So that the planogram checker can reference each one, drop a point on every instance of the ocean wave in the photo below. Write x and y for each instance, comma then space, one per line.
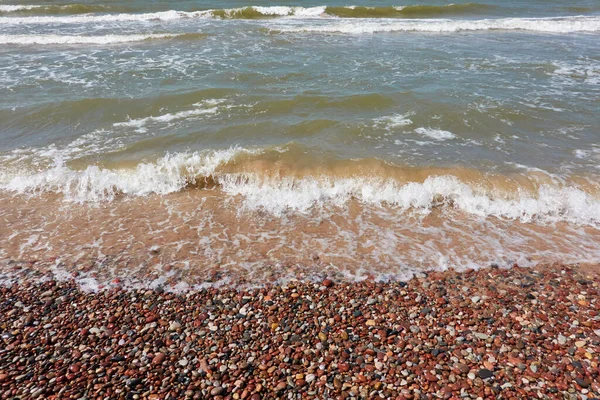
61, 8
394, 121
72, 39
167, 175
103, 18
416, 18
437, 134
18, 7
205, 108
548, 25
265, 184
414, 11
258, 12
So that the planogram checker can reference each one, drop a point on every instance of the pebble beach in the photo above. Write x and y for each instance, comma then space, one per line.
492, 333
370, 199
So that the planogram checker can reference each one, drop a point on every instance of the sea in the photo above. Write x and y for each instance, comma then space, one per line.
189, 143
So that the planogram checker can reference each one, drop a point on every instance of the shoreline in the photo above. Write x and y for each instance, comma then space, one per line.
489, 333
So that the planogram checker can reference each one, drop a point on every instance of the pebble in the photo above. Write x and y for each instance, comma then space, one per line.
485, 373
562, 339
217, 391
533, 368
159, 358
462, 368
303, 340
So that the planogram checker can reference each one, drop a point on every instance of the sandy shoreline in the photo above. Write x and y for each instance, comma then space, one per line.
492, 333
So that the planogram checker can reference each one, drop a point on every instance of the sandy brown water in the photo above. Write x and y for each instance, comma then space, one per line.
204, 236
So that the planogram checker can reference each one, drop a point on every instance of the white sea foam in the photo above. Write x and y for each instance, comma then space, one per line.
550, 204
290, 12
332, 24
587, 71
394, 121
18, 7
549, 25
71, 39
168, 174
593, 153
91, 18
141, 122
172, 173
284, 11
437, 134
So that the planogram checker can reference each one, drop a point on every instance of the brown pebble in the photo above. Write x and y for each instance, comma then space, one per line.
217, 391
327, 283
159, 358
337, 383
281, 386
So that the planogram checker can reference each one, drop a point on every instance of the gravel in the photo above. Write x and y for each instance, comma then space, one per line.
309, 340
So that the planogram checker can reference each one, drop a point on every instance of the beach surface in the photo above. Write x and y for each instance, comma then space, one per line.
491, 333
247, 200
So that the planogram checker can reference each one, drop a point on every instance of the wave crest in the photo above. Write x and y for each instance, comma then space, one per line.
548, 25
264, 181
254, 12
415, 11
103, 39
67, 9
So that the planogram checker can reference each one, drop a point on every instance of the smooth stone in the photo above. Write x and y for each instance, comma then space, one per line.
485, 373
217, 391
159, 358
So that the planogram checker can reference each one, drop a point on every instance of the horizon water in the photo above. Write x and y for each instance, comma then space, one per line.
193, 143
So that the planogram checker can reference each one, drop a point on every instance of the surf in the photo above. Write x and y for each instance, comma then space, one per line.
280, 179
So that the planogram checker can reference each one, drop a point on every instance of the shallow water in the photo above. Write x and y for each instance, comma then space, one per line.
379, 139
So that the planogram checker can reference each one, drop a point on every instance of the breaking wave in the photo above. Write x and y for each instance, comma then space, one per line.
351, 21
103, 39
416, 11
253, 12
548, 25
269, 185
66, 9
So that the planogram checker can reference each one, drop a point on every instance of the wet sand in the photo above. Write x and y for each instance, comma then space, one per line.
491, 333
